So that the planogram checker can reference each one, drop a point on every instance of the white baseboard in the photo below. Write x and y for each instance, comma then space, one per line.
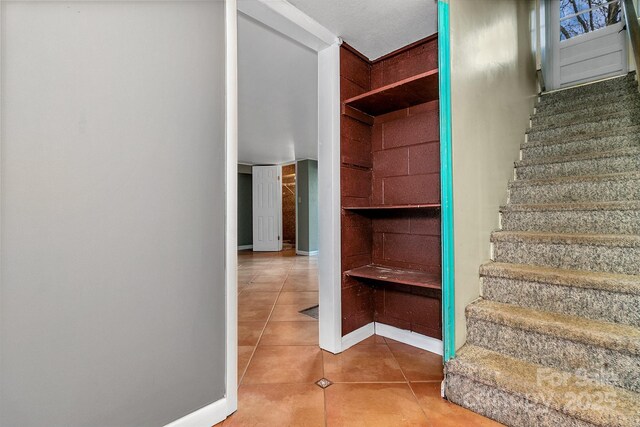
305, 253
245, 247
208, 416
360, 334
411, 338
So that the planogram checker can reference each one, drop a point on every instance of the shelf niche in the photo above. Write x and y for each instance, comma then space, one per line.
401, 276
409, 92
390, 189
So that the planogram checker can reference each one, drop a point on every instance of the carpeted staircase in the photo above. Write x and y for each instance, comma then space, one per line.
555, 338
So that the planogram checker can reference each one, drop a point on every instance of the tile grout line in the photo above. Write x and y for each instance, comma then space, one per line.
407, 382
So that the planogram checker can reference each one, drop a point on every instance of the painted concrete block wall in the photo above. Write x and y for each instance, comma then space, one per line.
307, 182
245, 209
112, 228
493, 86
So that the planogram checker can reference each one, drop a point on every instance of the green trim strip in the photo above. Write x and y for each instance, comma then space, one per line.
446, 182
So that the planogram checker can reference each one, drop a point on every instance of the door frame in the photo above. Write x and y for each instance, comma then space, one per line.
290, 21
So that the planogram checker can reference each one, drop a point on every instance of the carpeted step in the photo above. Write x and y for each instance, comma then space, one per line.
517, 393
625, 82
592, 125
584, 217
589, 252
606, 297
585, 347
592, 163
602, 141
585, 188
612, 110
547, 105
609, 103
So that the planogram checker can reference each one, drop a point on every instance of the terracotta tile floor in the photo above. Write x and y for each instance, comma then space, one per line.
379, 382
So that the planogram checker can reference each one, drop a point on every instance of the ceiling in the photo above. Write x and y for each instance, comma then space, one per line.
277, 96
374, 27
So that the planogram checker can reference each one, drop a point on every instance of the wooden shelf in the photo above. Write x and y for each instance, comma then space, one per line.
396, 96
391, 207
396, 275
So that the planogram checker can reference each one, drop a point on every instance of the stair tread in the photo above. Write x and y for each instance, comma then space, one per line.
611, 282
621, 152
544, 110
583, 98
620, 176
581, 121
548, 386
614, 336
621, 82
630, 130
572, 206
611, 240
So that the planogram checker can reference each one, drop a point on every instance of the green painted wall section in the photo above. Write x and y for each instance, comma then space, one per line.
245, 210
307, 186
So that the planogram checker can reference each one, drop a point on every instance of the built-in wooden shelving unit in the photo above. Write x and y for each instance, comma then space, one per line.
390, 190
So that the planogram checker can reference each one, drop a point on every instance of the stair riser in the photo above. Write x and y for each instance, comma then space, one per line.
582, 146
599, 166
622, 109
506, 408
583, 191
623, 84
608, 366
593, 304
584, 129
624, 260
592, 221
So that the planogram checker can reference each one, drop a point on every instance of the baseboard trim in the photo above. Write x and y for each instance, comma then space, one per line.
359, 335
411, 338
245, 247
208, 416
305, 253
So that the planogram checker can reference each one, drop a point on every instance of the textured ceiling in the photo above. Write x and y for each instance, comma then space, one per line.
278, 96
374, 27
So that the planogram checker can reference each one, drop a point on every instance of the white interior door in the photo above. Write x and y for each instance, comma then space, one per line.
588, 41
267, 208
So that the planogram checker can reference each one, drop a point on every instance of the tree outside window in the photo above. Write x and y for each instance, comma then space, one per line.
579, 17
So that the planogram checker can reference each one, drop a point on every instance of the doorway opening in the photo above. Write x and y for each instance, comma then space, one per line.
586, 40
277, 270
289, 201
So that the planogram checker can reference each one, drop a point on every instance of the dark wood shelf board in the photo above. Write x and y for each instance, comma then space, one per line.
396, 96
391, 207
396, 275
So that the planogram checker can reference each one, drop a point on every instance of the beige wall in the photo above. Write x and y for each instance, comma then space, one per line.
493, 91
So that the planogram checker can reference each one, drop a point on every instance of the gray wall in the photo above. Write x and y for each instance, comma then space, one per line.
112, 212
245, 209
307, 184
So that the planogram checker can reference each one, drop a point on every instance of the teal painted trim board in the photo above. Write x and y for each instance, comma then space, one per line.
446, 183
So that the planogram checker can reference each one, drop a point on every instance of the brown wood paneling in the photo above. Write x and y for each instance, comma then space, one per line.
289, 204
355, 190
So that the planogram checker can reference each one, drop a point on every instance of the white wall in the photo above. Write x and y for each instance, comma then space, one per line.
277, 95
493, 89
112, 227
